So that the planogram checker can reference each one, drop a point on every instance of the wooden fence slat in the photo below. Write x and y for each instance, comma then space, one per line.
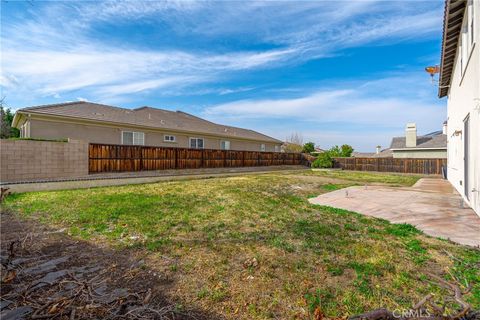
400, 165
118, 158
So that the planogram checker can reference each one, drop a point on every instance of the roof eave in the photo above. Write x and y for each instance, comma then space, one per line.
46, 115
413, 149
452, 22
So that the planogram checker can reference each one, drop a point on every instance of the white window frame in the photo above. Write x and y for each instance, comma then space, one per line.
467, 39
135, 138
167, 138
25, 130
196, 143
225, 144
277, 148
263, 147
471, 22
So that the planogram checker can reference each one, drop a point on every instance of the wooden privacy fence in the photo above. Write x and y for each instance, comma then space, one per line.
117, 158
407, 165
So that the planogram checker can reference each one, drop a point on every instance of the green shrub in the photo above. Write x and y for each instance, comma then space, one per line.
308, 147
324, 160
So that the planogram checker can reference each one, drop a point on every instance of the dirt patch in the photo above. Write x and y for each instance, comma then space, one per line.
47, 275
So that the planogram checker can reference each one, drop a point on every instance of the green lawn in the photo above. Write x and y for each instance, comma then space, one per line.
205, 234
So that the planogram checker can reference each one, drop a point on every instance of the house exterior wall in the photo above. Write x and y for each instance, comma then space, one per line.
27, 160
463, 101
52, 129
420, 154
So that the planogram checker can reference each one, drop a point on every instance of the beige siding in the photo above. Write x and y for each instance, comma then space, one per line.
421, 154
46, 129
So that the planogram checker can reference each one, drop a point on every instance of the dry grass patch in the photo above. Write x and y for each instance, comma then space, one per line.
253, 247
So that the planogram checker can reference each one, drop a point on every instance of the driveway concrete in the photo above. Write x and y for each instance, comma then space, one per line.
432, 205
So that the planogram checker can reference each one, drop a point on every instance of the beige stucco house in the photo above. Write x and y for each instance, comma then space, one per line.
413, 146
429, 146
460, 83
98, 123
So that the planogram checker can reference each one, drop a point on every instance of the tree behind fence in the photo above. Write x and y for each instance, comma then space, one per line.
406, 165
117, 158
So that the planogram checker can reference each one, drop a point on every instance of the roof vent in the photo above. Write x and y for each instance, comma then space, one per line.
98, 114
162, 121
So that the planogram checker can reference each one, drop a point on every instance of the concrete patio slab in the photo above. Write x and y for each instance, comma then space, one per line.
432, 205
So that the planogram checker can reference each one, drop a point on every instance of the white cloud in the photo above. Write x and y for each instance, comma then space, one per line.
363, 114
54, 51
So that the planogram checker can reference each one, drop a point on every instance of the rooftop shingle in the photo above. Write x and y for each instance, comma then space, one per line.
147, 117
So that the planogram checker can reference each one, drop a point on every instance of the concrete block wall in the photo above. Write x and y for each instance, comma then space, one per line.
29, 160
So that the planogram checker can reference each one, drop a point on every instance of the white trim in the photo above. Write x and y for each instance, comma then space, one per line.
409, 149
226, 141
133, 138
168, 140
196, 144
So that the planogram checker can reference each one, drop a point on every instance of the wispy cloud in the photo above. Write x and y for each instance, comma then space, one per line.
363, 113
56, 49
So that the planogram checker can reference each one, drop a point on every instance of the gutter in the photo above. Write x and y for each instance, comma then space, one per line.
413, 149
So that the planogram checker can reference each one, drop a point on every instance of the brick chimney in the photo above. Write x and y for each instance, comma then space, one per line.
411, 135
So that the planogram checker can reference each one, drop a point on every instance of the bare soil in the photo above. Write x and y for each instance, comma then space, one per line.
47, 275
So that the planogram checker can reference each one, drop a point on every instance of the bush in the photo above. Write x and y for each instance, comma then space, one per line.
324, 160
308, 147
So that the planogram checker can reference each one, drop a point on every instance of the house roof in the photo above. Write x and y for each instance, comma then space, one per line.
437, 141
385, 153
143, 116
452, 25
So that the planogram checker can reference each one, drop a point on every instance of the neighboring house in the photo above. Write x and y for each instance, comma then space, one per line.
460, 82
379, 153
429, 146
98, 123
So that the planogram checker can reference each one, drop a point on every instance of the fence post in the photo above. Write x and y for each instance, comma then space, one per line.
202, 161
176, 158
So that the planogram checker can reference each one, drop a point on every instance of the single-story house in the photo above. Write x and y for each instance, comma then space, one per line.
459, 81
432, 145
379, 153
429, 146
98, 123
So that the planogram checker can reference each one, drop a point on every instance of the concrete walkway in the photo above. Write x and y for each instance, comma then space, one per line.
432, 205
139, 177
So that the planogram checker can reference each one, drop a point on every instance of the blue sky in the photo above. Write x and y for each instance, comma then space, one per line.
334, 71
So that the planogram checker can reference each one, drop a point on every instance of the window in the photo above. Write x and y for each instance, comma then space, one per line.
471, 22
277, 148
168, 138
133, 138
225, 145
467, 37
196, 143
262, 147
25, 130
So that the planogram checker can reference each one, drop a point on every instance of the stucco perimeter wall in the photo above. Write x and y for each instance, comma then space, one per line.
421, 154
464, 101
28, 160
